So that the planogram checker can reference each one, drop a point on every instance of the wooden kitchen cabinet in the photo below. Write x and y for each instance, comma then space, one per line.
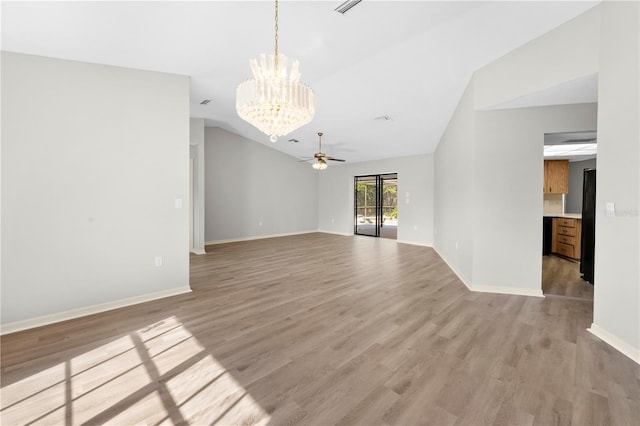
556, 177
566, 237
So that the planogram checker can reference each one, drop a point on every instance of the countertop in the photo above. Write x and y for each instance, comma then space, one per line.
566, 215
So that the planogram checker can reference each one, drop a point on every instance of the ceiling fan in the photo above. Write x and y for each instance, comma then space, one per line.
320, 158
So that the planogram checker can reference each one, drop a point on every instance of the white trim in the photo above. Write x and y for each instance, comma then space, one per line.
194, 251
455, 271
15, 326
516, 291
258, 237
415, 243
616, 342
344, 234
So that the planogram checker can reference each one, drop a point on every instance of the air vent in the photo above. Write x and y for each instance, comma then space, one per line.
344, 7
294, 140
205, 102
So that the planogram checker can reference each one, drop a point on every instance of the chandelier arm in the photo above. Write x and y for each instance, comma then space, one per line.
276, 39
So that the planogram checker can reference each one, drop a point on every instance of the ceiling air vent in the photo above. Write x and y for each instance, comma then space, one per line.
344, 7
205, 102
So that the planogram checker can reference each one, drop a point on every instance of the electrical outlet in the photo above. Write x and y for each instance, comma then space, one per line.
158, 261
260, 223
611, 209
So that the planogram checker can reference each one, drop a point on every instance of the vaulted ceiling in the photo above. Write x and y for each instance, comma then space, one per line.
409, 61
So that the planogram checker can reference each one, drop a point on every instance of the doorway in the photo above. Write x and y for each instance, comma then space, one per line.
376, 205
568, 211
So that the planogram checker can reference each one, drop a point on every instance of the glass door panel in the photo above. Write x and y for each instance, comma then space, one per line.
376, 205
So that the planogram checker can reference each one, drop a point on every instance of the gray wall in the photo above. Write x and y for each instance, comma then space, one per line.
492, 242
497, 263
573, 200
453, 204
616, 314
93, 158
415, 196
508, 230
196, 153
254, 191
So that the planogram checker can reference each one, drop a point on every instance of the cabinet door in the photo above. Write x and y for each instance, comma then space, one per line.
556, 176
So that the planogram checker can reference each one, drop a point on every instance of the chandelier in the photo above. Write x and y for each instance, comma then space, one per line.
273, 102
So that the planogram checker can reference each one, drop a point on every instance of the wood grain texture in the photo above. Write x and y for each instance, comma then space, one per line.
322, 329
561, 277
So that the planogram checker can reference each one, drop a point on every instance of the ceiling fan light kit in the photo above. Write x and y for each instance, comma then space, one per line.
321, 158
320, 164
272, 101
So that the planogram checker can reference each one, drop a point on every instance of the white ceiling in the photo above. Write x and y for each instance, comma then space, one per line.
408, 60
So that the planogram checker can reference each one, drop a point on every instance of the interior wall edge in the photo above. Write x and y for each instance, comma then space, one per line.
27, 324
462, 278
615, 342
259, 237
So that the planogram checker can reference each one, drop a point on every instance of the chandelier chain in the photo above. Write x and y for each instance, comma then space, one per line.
276, 38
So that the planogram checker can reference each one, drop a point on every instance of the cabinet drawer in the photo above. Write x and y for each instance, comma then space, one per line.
570, 223
563, 230
565, 239
565, 250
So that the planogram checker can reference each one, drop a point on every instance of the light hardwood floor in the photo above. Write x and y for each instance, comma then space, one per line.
321, 329
561, 277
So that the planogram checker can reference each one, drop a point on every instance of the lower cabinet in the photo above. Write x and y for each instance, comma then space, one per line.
566, 237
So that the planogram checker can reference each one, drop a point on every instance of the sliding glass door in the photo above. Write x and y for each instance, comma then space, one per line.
376, 205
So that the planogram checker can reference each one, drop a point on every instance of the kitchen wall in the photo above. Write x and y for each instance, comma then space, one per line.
415, 196
93, 159
573, 200
254, 191
553, 204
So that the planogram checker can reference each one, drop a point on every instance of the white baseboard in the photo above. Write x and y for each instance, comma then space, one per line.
258, 237
415, 243
13, 327
507, 290
455, 271
344, 234
515, 291
616, 342
194, 251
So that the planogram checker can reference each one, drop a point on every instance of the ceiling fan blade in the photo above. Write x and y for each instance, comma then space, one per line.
335, 159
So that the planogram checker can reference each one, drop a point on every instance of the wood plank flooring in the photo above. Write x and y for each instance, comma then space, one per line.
321, 329
561, 277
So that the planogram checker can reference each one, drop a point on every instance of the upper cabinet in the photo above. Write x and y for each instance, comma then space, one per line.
556, 177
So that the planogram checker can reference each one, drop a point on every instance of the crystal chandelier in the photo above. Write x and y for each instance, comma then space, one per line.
273, 102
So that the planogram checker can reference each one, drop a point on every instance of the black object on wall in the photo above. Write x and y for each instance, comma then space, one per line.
587, 250
547, 226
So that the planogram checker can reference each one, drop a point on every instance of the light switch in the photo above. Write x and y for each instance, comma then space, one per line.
178, 203
611, 209
158, 261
